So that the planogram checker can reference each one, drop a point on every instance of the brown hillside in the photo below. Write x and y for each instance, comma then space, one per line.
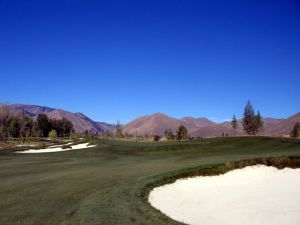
152, 124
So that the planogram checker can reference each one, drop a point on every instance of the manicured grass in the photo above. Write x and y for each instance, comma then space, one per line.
105, 184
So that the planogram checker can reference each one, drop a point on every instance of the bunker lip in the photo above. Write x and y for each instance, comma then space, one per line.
212, 170
57, 148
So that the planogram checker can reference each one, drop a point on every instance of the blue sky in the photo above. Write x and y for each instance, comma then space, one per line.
121, 59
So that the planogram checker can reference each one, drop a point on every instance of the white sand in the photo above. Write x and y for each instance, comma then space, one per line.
26, 145
256, 195
58, 149
55, 146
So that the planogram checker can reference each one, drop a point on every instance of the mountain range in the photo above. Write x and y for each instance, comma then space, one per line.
156, 124
202, 127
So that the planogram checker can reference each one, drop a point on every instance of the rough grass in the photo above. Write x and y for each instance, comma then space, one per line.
106, 184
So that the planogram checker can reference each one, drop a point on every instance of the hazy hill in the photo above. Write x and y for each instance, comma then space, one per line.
197, 122
106, 126
283, 126
212, 131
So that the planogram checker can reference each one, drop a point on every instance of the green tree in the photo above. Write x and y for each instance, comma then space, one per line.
4, 120
66, 127
26, 125
14, 127
296, 130
55, 125
234, 124
119, 131
43, 124
53, 135
35, 131
182, 133
249, 119
63, 127
259, 124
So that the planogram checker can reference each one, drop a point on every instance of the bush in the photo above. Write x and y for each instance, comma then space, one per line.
156, 138
53, 135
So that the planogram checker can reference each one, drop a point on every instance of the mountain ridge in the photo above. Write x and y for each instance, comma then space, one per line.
157, 123
202, 127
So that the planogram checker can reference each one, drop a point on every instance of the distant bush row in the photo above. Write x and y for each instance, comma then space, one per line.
19, 125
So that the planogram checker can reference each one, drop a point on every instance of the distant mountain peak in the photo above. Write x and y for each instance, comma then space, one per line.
157, 123
158, 114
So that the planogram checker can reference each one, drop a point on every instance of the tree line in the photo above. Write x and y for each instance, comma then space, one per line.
63, 127
19, 125
181, 134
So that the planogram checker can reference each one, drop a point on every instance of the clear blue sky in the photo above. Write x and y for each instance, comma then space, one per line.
121, 59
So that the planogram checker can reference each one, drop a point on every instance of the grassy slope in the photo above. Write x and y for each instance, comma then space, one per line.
103, 185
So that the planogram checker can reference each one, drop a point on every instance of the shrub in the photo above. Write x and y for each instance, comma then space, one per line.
53, 135
156, 138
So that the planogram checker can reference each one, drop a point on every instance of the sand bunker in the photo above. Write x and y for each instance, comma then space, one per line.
58, 149
26, 145
253, 195
55, 146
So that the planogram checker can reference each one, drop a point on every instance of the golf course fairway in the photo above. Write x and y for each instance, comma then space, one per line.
108, 184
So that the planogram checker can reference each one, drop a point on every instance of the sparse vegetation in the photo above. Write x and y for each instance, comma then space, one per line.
106, 134
53, 135
169, 135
